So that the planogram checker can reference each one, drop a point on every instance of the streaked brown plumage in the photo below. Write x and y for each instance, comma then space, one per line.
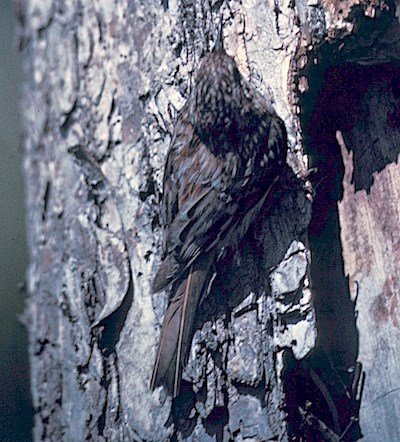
227, 150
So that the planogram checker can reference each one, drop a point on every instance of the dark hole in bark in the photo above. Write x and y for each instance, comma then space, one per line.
216, 422
46, 200
109, 329
362, 102
181, 410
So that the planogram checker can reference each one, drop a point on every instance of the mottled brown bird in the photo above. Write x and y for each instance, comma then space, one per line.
227, 149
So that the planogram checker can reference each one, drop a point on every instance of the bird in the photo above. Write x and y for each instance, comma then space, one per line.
227, 149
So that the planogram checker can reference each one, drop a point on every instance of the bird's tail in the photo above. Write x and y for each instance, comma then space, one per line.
176, 331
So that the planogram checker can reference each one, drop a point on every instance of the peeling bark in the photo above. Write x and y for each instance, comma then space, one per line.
103, 83
349, 97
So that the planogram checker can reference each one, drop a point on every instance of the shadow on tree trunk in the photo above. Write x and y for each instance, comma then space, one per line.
360, 100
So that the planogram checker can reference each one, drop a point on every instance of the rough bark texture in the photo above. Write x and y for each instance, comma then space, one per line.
104, 80
350, 118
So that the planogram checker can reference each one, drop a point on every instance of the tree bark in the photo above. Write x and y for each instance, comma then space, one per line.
351, 133
103, 83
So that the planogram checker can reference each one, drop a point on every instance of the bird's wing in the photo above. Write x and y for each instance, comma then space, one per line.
197, 207
206, 196
224, 193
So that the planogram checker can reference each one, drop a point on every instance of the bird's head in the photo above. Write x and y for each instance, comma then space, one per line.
217, 96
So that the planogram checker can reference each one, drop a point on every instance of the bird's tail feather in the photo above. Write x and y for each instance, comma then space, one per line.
176, 331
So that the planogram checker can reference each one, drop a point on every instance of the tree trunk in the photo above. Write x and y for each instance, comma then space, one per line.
103, 83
